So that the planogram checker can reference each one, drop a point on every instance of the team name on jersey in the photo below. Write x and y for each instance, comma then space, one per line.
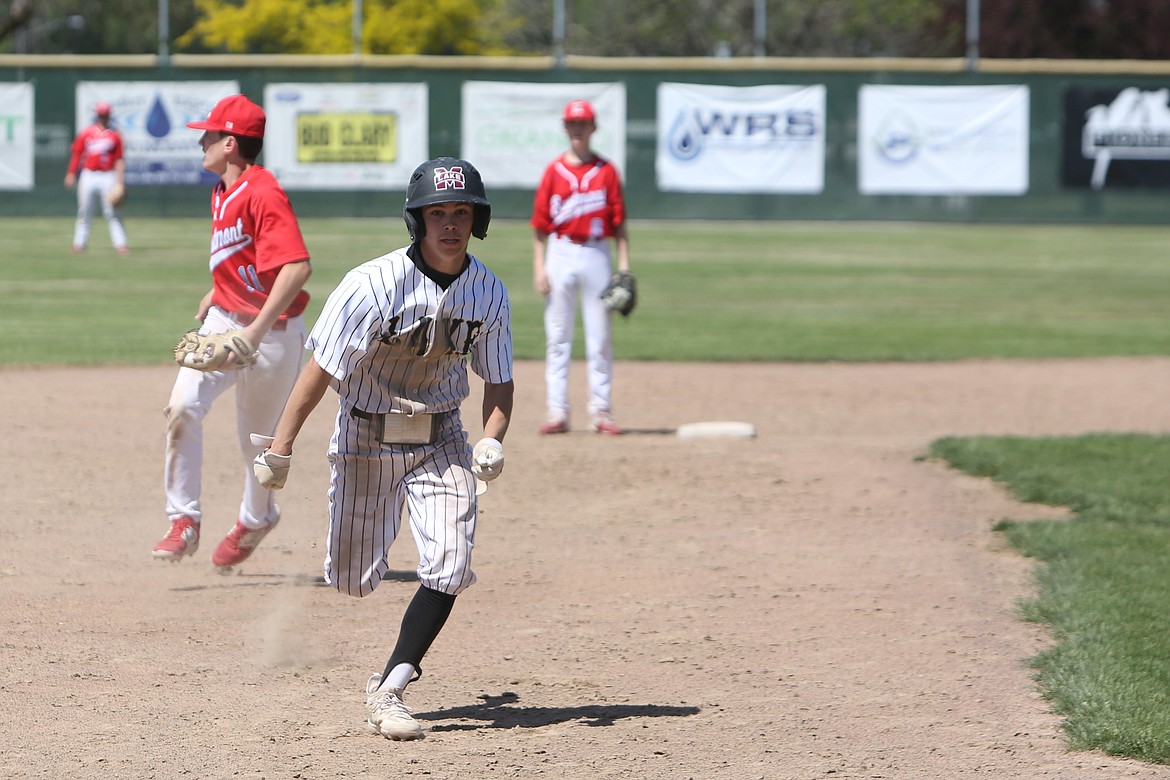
579, 203
225, 242
232, 234
102, 145
432, 337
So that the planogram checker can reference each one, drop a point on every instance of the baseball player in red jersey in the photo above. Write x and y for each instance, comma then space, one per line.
95, 166
577, 210
395, 340
259, 266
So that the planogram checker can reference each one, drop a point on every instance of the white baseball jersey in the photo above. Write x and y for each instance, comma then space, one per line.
394, 334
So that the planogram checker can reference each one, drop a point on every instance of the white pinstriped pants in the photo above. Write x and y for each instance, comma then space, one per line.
371, 485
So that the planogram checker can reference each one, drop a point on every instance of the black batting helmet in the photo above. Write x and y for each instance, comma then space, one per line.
445, 180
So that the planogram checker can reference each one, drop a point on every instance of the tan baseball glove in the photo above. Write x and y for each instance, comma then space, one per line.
210, 352
116, 195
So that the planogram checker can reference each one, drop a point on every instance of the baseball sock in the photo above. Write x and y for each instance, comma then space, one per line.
422, 622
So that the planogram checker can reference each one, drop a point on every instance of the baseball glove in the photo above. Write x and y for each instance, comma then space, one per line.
621, 294
209, 352
116, 195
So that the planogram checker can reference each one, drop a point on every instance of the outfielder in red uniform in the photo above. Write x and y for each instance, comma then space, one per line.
95, 166
259, 266
577, 211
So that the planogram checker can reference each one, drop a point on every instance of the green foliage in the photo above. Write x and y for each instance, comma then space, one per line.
441, 27
1103, 587
273, 26
701, 27
436, 27
107, 26
1072, 29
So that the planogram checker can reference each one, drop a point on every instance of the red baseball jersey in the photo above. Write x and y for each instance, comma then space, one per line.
253, 233
582, 201
96, 149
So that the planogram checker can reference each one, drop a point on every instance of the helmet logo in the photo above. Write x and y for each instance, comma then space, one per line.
450, 178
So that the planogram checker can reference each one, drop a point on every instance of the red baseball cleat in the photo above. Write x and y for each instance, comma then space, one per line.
182, 540
603, 424
240, 543
555, 426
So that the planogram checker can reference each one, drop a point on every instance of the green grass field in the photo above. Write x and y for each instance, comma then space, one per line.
742, 291
710, 291
1104, 589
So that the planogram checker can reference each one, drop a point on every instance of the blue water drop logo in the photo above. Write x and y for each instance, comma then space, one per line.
158, 123
685, 139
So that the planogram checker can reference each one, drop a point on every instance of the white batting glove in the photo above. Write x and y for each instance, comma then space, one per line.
271, 470
487, 459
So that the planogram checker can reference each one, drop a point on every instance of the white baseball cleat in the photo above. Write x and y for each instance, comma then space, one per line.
388, 716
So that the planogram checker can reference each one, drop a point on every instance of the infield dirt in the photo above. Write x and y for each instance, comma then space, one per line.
817, 602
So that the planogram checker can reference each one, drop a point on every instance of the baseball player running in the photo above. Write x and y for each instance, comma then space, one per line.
96, 165
259, 266
578, 208
395, 340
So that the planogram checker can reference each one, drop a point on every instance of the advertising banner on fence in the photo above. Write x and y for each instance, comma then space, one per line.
511, 132
152, 117
741, 139
943, 140
345, 136
17, 136
1116, 138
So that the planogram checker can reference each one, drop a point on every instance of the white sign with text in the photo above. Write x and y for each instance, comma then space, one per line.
970, 140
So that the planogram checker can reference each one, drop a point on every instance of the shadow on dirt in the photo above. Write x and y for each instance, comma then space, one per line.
497, 712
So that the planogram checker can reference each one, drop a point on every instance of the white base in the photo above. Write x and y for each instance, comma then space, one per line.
717, 429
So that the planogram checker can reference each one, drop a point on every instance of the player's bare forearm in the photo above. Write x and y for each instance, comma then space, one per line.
306, 394
204, 306
623, 247
497, 408
539, 276
290, 280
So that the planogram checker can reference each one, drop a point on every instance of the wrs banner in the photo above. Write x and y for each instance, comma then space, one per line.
943, 140
762, 139
17, 142
1116, 138
511, 131
152, 117
345, 136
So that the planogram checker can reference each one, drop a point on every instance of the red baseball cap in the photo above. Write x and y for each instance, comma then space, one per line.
102, 109
235, 115
579, 111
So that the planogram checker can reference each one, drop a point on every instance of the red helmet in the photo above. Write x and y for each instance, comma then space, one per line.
102, 109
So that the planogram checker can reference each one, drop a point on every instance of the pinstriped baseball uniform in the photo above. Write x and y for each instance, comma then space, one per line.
398, 336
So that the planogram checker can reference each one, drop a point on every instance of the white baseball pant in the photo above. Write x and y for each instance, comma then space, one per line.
261, 391
372, 484
577, 270
91, 185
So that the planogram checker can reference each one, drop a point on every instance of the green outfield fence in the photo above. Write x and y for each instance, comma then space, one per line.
1047, 201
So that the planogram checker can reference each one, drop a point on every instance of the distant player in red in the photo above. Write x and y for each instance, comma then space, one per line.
95, 166
259, 266
578, 209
